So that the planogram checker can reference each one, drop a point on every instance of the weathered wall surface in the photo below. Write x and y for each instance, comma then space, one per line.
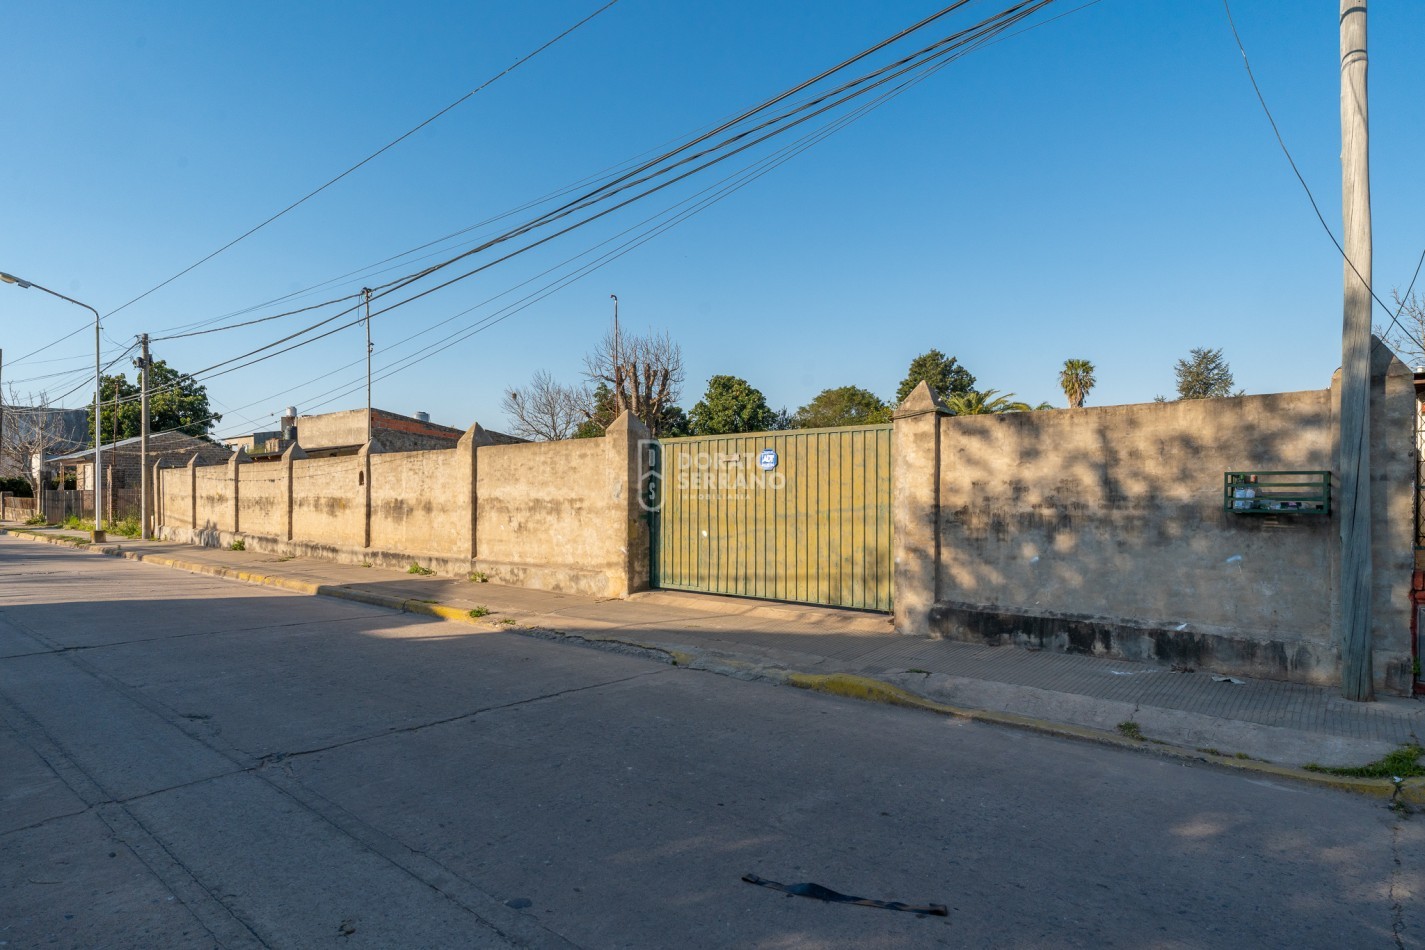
332, 428
551, 505
411, 502
213, 490
175, 495
1122, 506
327, 501
262, 489
1102, 531
558, 516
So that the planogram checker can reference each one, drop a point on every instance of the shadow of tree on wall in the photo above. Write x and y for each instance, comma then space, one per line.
1103, 531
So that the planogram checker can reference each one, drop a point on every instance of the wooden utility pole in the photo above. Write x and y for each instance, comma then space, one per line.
1357, 677
145, 475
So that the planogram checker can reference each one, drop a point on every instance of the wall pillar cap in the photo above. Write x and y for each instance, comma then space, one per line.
628, 424
922, 400
373, 447
476, 435
294, 451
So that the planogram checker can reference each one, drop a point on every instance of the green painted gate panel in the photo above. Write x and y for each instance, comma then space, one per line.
816, 529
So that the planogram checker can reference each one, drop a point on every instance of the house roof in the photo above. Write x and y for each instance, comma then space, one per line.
157, 440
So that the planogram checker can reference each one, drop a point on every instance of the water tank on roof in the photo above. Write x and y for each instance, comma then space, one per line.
423, 417
290, 412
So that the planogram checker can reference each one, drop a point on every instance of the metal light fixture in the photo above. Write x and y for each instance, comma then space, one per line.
98, 535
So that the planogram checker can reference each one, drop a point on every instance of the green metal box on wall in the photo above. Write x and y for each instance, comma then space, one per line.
1277, 493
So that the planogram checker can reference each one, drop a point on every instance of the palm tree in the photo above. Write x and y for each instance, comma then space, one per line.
980, 403
1076, 380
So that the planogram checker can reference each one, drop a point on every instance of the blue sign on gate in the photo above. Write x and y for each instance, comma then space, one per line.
767, 460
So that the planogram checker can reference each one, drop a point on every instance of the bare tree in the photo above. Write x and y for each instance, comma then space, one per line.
31, 432
1409, 342
545, 410
643, 373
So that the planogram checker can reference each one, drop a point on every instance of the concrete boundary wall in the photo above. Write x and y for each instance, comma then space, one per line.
1102, 531
562, 516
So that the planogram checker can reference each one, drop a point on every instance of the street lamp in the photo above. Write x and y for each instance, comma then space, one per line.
98, 535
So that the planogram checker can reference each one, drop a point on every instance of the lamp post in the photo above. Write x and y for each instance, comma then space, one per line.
98, 535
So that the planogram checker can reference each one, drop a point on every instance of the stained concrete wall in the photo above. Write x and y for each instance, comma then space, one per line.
212, 487
1102, 531
328, 501
557, 516
262, 486
411, 494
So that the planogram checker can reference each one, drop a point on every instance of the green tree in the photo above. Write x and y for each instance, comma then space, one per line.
1204, 375
944, 374
730, 404
1076, 379
843, 406
977, 403
175, 401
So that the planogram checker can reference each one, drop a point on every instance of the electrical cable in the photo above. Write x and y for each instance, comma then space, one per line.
979, 34
519, 62
1299, 177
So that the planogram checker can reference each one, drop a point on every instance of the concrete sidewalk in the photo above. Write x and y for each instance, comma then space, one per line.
1259, 725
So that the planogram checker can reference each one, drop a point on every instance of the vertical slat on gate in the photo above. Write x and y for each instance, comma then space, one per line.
822, 537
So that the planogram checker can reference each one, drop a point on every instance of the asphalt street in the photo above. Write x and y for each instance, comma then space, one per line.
193, 762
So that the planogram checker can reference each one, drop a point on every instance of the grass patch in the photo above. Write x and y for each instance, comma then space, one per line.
480, 611
479, 577
507, 621
1404, 762
417, 569
126, 527
238, 545
1209, 750
37, 519
1129, 729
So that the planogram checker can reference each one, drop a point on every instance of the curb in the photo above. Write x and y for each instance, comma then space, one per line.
1409, 792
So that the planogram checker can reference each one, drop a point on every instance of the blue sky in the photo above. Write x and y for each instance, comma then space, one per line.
1104, 187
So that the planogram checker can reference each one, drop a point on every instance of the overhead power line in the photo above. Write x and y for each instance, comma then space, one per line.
1394, 316
923, 60
389, 145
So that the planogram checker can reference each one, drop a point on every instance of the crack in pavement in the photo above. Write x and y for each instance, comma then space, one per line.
272, 758
1397, 906
152, 852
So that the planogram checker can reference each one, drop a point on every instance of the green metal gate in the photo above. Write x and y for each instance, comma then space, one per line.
801, 515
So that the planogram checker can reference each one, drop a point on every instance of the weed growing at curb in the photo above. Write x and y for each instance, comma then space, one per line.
1404, 762
425, 600
37, 519
480, 611
507, 621
479, 577
1209, 750
1130, 730
417, 569
366, 564
238, 545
